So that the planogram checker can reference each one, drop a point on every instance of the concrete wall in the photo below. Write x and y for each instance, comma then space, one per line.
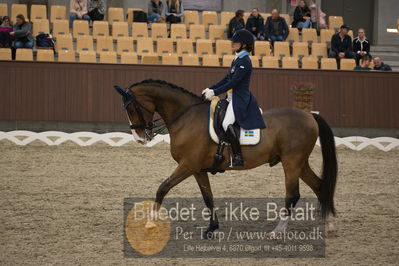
386, 13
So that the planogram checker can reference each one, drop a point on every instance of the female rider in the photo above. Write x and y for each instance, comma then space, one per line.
242, 107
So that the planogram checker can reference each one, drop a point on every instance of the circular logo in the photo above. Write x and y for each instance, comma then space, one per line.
147, 230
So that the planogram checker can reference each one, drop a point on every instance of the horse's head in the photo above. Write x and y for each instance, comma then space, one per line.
140, 112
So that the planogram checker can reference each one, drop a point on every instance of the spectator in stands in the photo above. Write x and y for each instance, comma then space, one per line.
96, 9
361, 46
255, 23
341, 44
78, 10
155, 9
317, 17
236, 23
5, 29
276, 28
365, 63
379, 65
22, 33
174, 11
301, 16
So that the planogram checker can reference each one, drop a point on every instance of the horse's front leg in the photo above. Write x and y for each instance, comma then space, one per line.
178, 175
205, 187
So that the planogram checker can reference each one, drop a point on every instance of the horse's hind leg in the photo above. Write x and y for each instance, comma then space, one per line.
314, 182
292, 168
205, 187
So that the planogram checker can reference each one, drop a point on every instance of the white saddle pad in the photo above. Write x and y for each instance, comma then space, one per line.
250, 137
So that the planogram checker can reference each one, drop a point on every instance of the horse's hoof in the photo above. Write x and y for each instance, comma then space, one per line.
149, 225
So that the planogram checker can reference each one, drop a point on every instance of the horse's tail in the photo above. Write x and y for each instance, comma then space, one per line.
330, 166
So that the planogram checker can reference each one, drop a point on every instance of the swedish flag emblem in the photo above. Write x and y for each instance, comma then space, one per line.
249, 133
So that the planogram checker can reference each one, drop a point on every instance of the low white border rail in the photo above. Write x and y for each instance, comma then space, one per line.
117, 139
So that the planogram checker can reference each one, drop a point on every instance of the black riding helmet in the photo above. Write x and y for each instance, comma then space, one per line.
244, 37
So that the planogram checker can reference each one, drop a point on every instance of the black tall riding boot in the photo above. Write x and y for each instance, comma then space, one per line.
235, 146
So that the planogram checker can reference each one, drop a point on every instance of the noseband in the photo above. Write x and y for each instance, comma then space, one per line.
131, 99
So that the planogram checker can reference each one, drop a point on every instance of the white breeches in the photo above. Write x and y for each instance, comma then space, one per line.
229, 119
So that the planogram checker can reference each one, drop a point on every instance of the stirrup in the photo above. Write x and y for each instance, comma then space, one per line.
236, 160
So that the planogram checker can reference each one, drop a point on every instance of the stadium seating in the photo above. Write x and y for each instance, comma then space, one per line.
17, 9
66, 56
190, 60
210, 60
209, 18
115, 14
254, 60
262, 48
328, 64
64, 42
197, 32
293, 35
225, 17
164, 46
84, 43
287, 18
108, 57
145, 46
105, 44
310, 62
87, 57
57, 13
347, 64
270, 62
80, 28
129, 58
204, 47
335, 22
60, 27
120, 29
246, 16
223, 47
178, 31
326, 35
216, 32
3, 9
290, 62
170, 59
5, 54
45, 55
319, 49
38, 12
191, 17
159, 30
309, 35
40, 26
130, 14
300, 49
124, 45
184, 46
139, 30
281, 49
150, 59
23, 54
227, 60
100, 29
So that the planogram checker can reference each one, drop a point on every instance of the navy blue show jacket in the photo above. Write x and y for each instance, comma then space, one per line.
246, 109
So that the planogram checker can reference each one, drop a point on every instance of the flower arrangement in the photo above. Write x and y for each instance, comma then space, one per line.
303, 95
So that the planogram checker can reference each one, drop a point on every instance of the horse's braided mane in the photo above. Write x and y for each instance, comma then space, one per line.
170, 85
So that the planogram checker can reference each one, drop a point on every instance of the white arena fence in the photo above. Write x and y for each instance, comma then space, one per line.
117, 139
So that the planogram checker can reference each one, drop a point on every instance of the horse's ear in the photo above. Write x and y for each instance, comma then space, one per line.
120, 91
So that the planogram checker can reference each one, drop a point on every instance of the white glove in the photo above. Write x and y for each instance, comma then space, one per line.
209, 94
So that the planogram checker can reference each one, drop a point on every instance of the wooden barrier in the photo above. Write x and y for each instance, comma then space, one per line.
81, 92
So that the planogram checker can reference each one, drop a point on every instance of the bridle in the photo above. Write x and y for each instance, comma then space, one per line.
129, 98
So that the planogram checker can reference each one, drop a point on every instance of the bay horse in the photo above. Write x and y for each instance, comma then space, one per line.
290, 136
